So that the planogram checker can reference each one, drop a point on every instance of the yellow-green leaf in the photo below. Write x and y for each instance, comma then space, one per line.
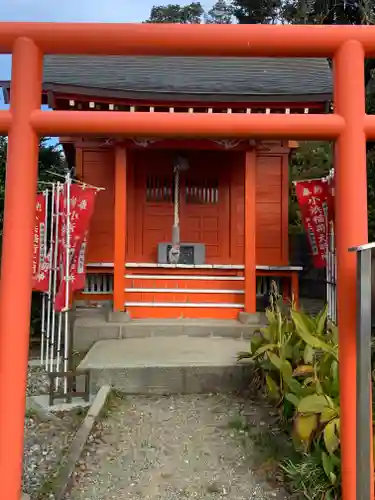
333, 478
286, 369
292, 398
328, 414
266, 332
275, 360
293, 384
334, 333
308, 354
331, 439
270, 315
255, 343
272, 387
305, 425
335, 373
321, 320
243, 355
304, 331
327, 464
314, 403
288, 352
263, 349
303, 370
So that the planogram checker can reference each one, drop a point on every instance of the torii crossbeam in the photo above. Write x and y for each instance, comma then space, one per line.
349, 126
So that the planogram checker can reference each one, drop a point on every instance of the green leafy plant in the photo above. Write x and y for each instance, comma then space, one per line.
297, 355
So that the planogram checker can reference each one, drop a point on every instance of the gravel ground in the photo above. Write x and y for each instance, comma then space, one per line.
45, 441
171, 448
37, 381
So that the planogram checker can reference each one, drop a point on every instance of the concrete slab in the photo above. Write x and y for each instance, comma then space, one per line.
118, 317
163, 352
168, 365
94, 327
251, 319
43, 401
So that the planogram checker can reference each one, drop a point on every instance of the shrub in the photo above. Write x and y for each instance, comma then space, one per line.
297, 355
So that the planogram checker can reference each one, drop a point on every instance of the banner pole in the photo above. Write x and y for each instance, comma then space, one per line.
59, 338
54, 269
46, 326
67, 278
49, 326
43, 323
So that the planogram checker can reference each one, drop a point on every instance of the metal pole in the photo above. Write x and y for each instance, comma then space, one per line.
49, 282
51, 326
44, 295
54, 271
67, 278
364, 458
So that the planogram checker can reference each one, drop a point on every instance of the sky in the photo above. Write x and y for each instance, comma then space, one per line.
107, 11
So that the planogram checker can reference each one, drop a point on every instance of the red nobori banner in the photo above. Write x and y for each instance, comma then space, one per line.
41, 267
81, 208
313, 199
331, 196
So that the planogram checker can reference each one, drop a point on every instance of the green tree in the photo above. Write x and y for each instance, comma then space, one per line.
347, 12
51, 160
311, 160
329, 11
173, 13
220, 13
257, 11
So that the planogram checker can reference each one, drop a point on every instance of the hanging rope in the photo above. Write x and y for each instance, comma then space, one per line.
174, 253
176, 220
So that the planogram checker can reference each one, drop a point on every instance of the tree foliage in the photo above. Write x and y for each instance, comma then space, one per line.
174, 13
220, 13
51, 160
311, 160
257, 11
350, 12
329, 11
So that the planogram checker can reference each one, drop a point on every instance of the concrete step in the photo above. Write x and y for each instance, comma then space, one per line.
91, 328
169, 365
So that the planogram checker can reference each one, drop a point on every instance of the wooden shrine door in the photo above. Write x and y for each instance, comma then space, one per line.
203, 203
204, 198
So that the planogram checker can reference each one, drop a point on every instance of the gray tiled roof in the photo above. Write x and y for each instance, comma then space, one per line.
192, 76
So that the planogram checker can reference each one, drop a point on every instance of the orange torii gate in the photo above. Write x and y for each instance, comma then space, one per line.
349, 126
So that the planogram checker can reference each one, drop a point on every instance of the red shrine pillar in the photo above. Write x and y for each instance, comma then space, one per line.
120, 229
250, 232
16, 268
351, 230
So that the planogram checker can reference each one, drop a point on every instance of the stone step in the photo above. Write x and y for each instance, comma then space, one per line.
169, 365
91, 328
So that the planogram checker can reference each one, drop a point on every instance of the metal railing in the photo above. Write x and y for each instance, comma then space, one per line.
331, 276
98, 284
364, 429
102, 284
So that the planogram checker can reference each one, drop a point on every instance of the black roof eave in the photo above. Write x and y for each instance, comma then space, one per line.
173, 96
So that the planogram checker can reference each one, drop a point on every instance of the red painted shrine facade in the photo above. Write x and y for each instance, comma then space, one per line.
232, 199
